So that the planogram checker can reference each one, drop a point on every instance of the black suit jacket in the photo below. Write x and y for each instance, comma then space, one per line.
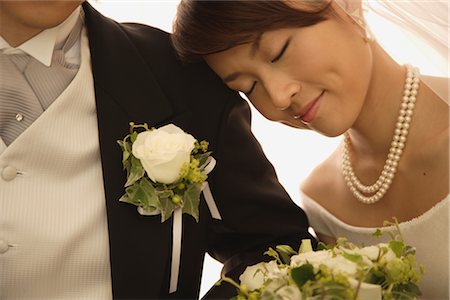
138, 78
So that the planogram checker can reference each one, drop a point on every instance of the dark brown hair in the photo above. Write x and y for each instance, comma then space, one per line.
206, 27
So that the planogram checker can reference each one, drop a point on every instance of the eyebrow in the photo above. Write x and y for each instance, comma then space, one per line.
253, 50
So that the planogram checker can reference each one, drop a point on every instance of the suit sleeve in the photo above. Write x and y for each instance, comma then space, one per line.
257, 213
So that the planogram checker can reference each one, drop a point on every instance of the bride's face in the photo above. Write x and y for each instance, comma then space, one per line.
313, 77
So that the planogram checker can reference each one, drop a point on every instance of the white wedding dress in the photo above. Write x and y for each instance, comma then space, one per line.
428, 233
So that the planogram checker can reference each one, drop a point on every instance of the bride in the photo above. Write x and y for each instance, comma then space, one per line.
315, 65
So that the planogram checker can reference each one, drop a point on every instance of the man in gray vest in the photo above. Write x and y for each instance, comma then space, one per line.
71, 80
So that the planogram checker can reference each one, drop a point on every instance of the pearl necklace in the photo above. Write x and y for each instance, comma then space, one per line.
380, 187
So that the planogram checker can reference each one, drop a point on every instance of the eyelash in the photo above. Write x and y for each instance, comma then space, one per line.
277, 58
251, 89
283, 50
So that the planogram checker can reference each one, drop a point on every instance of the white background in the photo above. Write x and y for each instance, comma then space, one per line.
294, 153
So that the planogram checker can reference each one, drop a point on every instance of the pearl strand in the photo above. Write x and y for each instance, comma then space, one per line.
380, 187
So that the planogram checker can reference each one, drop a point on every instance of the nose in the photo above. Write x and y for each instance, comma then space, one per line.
282, 92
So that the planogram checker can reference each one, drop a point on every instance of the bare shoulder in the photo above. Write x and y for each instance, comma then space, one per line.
439, 85
322, 180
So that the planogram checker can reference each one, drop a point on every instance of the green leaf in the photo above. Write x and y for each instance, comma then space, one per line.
167, 208
285, 252
125, 156
406, 291
274, 254
302, 274
202, 158
356, 258
191, 199
397, 247
142, 194
377, 233
166, 193
126, 152
323, 246
136, 171
125, 199
375, 277
133, 136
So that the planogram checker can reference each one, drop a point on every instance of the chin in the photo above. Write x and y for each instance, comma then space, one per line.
47, 14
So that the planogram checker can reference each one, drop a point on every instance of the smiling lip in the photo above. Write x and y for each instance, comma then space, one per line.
308, 113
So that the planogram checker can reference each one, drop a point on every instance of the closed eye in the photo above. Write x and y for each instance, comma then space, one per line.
280, 54
251, 89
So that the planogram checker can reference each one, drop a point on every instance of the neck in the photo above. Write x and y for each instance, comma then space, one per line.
372, 132
17, 40
16, 35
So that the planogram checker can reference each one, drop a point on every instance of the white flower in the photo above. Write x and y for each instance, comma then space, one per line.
367, 291
313, 257
289, 293
337, 264
253, 276
276, 276
163, 152
341, 265
372, 252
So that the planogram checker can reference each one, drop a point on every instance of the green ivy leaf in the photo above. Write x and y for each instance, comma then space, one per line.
136, 171
397, 247
302, 274
167, 208
126, 152
133, 136
142, 194
191, 199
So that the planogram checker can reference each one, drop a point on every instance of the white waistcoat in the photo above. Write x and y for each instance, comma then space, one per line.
53, 230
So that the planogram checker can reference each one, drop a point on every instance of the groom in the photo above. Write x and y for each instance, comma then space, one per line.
71, 81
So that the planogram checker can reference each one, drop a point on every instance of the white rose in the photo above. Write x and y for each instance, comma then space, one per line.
276, 277
367, 291
253, 276
372, 252
340, 264
315, 258
337, 264
163, 151
289, 293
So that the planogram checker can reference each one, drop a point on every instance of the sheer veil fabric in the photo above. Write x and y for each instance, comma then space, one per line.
423, 27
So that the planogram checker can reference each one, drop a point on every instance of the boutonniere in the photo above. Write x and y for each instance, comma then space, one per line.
166, 169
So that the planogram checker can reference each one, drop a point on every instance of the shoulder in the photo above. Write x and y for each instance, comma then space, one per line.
155, 47
323, 182
439, 85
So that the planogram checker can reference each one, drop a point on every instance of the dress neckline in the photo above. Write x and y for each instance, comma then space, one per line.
414, 221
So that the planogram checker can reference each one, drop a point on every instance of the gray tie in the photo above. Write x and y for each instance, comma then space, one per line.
28, 87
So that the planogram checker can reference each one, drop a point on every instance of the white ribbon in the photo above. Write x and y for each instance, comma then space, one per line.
177, 227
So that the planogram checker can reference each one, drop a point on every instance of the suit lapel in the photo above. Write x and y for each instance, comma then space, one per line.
125, 91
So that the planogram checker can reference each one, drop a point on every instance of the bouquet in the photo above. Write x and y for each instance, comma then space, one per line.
342, 271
